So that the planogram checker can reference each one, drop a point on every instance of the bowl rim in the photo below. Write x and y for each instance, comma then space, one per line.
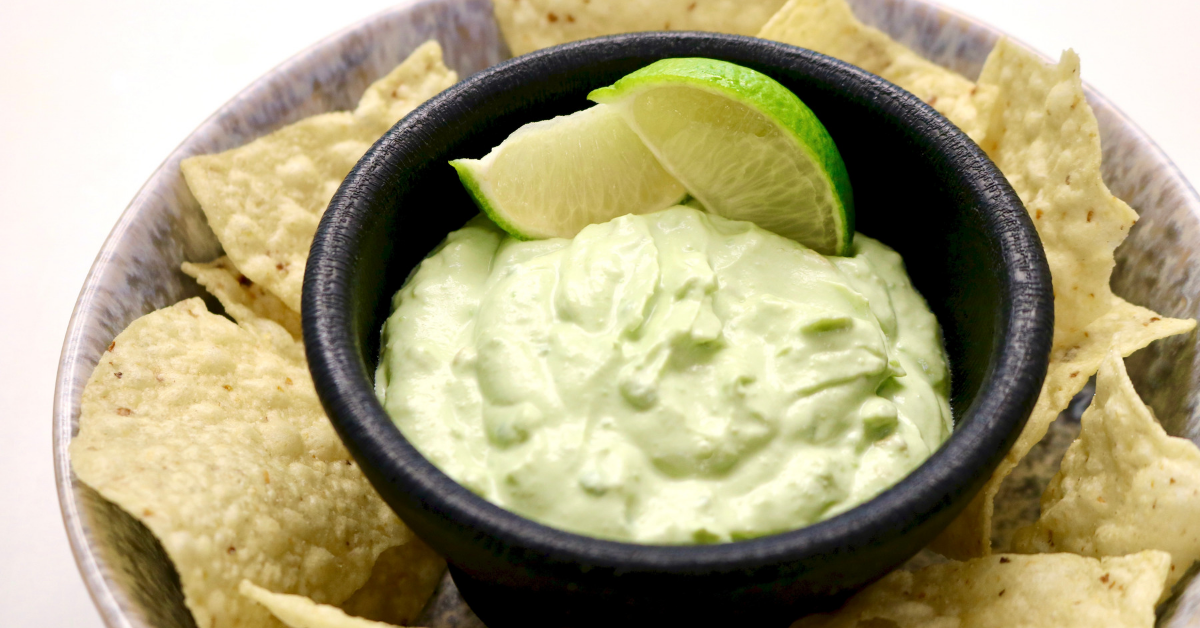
1002, 405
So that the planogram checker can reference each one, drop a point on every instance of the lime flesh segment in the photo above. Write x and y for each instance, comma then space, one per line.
552, 178
743, 145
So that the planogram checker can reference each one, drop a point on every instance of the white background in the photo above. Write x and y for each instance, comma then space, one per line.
94, 94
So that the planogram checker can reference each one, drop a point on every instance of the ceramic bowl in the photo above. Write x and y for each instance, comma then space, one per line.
137, 269
919, 183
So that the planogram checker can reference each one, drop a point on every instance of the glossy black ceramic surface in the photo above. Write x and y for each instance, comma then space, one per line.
920, 186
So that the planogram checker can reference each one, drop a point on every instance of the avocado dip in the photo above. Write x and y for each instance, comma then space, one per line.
667, 378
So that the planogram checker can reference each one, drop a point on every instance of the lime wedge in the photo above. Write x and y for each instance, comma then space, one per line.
743, 145
552, 178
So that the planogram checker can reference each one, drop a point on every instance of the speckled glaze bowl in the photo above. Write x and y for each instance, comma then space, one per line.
974, 255
137, 269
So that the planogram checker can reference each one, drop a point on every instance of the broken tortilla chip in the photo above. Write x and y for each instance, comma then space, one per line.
199, 429
242, 299
297, 611
253, 308
529, 25
1030, 591
830, 27
265, 199
1124, 485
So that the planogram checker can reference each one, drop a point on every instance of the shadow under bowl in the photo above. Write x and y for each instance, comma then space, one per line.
920, 185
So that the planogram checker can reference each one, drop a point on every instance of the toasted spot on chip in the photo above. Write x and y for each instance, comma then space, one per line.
1124, 485
264, 199
1043, 590
298, 611
242, 299
830, 27
529, 25
208, 469
1125, 329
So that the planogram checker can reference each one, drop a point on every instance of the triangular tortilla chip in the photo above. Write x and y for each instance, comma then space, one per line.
1045, 139
1125, 329
204, 432
265, 199
1124, 486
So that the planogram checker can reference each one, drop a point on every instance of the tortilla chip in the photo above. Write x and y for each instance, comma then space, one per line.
198, 428
242, 299
830, 27
297, 611
253, 308
418, 78
1044, 138
1003, 591
529, 25
1124, 486
264, 199
404, 576
401, 583
1125, 329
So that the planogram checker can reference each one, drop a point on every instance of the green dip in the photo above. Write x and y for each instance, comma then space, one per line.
669, 378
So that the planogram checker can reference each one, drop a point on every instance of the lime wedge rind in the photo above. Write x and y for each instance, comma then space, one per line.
760, 94
469, 171
553, 177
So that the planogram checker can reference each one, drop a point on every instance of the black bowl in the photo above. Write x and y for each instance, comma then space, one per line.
921, 186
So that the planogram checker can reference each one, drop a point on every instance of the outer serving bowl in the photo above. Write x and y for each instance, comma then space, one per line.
137, 269
919, 182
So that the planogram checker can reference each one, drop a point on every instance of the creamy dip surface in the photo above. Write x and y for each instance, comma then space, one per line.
668, 378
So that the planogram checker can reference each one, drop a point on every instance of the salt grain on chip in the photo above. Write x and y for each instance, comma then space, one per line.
1003, 591
1124, 485
204, 432
264, 199
529, 25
